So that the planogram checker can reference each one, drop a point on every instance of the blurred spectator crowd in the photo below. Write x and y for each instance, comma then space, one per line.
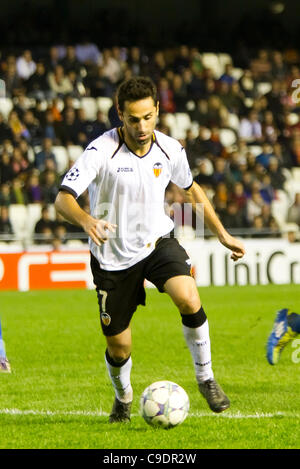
240, 129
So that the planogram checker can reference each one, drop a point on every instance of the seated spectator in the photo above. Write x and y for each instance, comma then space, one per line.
239, 196
196, 63
157, 66
214, 144
274, 104
33, 189
25, 65
236, 165
37, 85
62, 228
200, 113
13, 83
282, 155
266, 214
59, 83
250, 128
270, 130
261, 66
18, 192
234, 102
49, 128
258, 225
226, 96
279, 69
276, 174
227, 76
70, 61
166, 96
49, 187
56, 244
88, 53
56, 111
293, 236
6, 171
248, 84
19, 162
217, 112
221, 195
5, 195
274, 228
254, 205
45, 154
85, 128
221, 172
78, 88
60, 232
68, 129
233, 217
195, 87
220, 207
44, 222
204, 176
136, 60
33, 127
179, 93
98, 127
5, 223
293, 215
264, 157
295, 149
52, 59
182, 59
45, 236
111, 67
251, 161
97, 84
17, 127
5, 130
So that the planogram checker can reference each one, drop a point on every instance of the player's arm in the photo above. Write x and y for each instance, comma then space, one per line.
69, 208
196, 195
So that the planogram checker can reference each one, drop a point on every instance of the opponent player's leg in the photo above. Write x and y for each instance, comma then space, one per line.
286, 327
183, 291
118, 363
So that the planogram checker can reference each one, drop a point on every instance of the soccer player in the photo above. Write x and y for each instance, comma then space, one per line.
126, 171
286, 327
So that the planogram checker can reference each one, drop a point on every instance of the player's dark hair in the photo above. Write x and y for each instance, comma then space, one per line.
134, 89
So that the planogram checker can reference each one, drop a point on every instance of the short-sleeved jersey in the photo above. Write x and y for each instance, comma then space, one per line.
128, 190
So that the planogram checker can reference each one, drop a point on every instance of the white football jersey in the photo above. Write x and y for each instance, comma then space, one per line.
129, 191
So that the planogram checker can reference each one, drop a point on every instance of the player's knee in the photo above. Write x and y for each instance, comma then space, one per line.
189, 303
119, 353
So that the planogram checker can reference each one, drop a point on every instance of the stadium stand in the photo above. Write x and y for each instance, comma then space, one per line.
211, 98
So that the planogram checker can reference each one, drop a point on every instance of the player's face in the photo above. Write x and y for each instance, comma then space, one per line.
139, 119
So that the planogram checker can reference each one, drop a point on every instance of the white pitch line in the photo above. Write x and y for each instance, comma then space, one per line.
100, 413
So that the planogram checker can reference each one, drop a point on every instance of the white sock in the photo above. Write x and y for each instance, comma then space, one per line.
120, 378
198, 341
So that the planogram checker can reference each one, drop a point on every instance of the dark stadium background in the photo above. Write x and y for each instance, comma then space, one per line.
218, 25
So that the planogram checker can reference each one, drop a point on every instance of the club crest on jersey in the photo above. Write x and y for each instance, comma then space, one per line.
105, 318
157, 168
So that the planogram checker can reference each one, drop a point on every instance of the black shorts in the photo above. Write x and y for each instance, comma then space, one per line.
120, 292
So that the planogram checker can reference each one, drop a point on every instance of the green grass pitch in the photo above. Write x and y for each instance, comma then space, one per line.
59, 395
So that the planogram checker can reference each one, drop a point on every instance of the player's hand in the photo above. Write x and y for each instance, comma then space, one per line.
235, 245
98, 230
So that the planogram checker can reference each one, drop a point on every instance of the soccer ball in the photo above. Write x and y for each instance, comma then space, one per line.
164, 404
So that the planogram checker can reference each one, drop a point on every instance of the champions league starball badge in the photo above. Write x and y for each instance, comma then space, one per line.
73, 174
